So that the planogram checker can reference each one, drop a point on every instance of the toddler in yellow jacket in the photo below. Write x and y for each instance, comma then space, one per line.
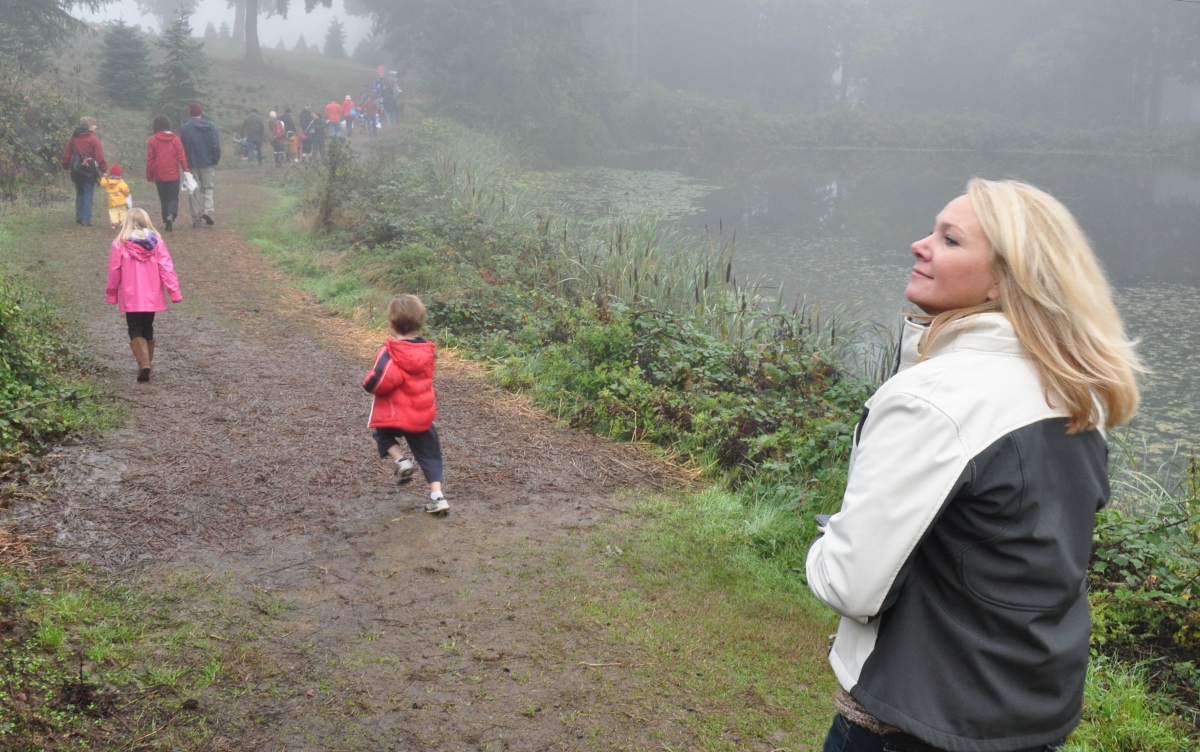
118, 195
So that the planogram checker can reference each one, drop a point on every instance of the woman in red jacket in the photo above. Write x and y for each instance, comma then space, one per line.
85, 171
164, 156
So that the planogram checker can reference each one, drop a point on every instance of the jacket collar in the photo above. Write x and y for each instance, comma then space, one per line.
984, 332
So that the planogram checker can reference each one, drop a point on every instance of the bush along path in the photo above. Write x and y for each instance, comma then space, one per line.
273, 588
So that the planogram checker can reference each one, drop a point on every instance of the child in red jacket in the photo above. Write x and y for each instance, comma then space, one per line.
402, 382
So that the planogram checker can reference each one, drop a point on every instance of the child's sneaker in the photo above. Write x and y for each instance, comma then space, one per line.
404, 470
437, 503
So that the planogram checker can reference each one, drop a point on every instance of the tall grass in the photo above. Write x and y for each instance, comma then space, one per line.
643, 261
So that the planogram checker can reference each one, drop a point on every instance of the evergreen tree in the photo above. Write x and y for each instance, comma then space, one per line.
280, 45
301, 45
210, 32
223, 33
183, 75
31, 29
125, 65
335, 39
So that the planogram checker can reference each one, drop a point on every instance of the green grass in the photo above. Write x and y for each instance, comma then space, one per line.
1121, 715
682, 594
706, 623
88, 662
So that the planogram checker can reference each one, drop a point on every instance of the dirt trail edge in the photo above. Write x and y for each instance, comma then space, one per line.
247, 457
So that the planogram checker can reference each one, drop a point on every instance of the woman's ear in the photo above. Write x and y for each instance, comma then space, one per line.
993, 294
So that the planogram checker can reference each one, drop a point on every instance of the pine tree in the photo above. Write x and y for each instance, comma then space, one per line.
125, 65
335, 39
280, 45
183, 75
31, 30
301, 45
210, 32
223, 33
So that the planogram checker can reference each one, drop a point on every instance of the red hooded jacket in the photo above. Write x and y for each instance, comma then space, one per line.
83, 141
164, 154
402, 382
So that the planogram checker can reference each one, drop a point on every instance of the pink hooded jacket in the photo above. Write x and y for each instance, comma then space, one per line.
138, 270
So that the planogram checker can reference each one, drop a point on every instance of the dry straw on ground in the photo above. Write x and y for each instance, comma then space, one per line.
16, 550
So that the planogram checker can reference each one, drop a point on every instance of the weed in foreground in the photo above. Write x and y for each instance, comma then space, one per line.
86, 662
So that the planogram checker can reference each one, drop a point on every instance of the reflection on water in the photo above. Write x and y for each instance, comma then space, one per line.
836, 226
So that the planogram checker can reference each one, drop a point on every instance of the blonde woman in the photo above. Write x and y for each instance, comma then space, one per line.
958, 560
139, 269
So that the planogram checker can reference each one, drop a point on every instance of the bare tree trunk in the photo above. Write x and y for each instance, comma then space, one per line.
253, 50
1156, 74
844, 83
239, 21
634, 43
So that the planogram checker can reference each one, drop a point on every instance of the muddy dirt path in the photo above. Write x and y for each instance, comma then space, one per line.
247, 456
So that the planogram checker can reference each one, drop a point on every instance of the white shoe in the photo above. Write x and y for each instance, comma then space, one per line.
437, 505
404, 470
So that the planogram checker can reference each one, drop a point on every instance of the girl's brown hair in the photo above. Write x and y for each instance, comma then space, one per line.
1054, 292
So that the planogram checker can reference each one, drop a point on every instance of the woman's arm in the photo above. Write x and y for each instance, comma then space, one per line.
907, 466
166, 272
181, 155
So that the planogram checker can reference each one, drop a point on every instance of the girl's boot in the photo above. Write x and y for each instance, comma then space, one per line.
141, 353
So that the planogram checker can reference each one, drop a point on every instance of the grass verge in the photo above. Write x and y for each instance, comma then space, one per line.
89, 662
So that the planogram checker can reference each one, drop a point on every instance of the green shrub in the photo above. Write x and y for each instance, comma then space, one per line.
41, 398
35, 123
1145, 578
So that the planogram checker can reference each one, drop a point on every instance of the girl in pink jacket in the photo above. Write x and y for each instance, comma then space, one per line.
139, 267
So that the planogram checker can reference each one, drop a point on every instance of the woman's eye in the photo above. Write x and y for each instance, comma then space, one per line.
951, 241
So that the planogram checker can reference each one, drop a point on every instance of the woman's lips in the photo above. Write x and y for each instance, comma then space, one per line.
919, 273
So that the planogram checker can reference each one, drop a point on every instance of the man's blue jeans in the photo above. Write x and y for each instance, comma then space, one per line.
845, 736
84, 192
254, 149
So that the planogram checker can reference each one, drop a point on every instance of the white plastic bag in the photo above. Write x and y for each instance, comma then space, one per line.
188, 184
129, 202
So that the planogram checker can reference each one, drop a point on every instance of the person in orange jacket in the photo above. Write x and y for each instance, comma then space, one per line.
333, 117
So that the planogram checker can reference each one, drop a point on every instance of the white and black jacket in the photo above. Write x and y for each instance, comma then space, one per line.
958, 560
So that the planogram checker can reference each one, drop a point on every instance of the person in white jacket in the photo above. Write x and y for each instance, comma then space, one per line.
958, 559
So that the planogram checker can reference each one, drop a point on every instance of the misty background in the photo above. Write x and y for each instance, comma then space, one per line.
271, 28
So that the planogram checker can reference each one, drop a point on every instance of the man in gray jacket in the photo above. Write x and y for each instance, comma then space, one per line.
202, 146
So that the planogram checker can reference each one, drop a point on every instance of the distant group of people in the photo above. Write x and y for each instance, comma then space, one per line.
296, 139
292, 139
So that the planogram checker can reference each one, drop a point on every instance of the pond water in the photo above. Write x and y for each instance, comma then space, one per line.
835, 226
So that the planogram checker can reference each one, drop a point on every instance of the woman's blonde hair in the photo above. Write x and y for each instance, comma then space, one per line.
1054, 292
135, 219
